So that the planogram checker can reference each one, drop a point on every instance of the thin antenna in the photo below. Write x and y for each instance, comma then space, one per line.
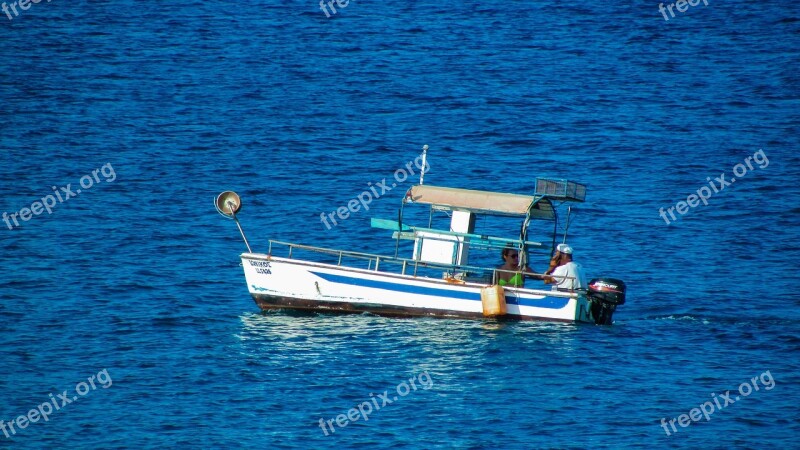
569, 220
424, 161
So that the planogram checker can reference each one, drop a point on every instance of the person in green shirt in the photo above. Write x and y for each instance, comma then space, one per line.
505, 277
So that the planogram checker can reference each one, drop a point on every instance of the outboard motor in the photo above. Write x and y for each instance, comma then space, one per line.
605, 294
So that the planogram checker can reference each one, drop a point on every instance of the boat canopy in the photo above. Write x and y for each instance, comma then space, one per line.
486, 202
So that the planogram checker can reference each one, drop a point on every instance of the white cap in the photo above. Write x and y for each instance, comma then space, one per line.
564, 248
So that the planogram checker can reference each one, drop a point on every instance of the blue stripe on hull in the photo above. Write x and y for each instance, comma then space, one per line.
398, 287
547, 302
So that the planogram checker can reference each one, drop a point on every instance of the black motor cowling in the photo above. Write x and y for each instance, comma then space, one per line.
605, 294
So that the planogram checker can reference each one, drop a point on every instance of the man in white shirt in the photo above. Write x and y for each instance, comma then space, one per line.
566, 274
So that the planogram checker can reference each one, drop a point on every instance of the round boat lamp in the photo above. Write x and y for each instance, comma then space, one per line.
228, 203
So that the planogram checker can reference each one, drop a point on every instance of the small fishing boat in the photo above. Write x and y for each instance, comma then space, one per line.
439, 277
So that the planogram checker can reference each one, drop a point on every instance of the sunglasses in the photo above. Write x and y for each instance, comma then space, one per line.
515, 256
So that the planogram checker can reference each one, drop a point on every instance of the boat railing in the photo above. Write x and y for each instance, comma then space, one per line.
375, 262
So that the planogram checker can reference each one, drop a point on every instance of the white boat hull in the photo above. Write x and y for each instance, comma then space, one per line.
277, 283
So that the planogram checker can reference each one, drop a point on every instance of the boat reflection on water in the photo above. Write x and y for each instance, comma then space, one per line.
431, 341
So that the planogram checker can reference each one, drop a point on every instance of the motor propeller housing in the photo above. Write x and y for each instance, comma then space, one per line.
605, 294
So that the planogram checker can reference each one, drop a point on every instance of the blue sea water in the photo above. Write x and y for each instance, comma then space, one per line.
135, 281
